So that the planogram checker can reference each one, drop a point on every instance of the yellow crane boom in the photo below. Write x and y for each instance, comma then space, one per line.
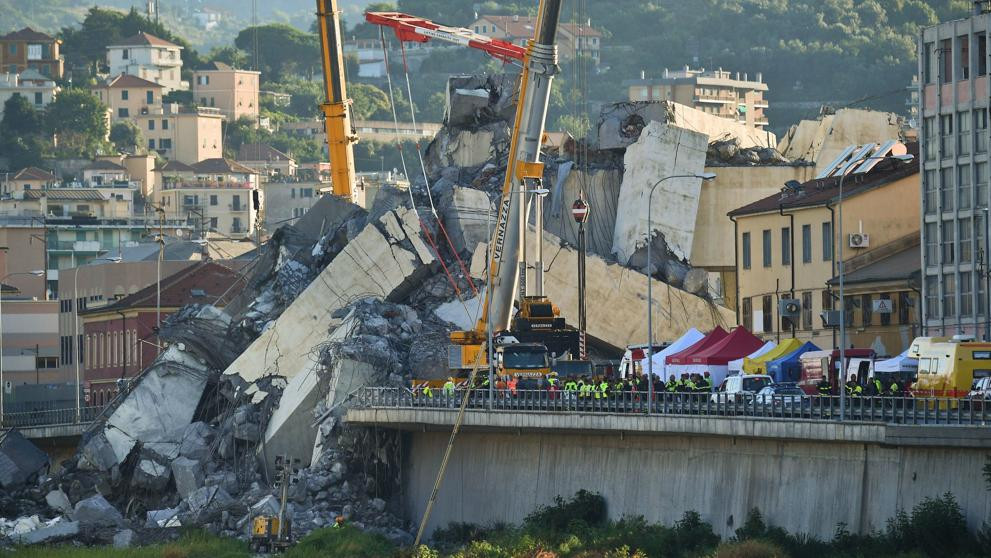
337, 106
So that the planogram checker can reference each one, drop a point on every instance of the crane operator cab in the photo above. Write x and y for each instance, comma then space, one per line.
523, 360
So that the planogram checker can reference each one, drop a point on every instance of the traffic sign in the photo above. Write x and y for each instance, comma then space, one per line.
883, 306
579, 210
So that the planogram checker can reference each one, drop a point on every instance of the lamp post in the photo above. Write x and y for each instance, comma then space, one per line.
650, 280
77, 354
3, 386
580, 212
841, 373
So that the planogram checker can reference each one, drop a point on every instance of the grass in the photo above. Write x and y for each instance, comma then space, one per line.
192, 544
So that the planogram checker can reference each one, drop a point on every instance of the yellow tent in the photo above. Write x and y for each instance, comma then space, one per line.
759, 365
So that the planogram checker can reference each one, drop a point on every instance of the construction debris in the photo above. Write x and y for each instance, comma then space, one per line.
20, 460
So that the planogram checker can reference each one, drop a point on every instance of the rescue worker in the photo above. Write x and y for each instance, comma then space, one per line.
706, 382
449, 387
672, 385
581, 387
894, 389
854, 389
511, 384
689, 384
619, 386
339, 522
878, 388
604, 387
824, 387
427, 392
570, 389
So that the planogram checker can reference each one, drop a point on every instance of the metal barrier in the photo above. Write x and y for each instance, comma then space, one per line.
881, 409
49, 417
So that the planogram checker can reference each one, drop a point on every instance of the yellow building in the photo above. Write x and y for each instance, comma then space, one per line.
233, 92
724, 94
29, 178
786, 249
218, 195
30, 49
129, 97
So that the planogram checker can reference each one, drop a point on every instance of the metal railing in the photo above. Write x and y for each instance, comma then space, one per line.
881, 409
49, 417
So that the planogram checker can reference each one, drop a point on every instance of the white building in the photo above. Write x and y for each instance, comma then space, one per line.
36, 88
150, 58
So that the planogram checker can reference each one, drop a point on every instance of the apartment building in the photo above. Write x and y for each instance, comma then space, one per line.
231, 91
573, 39
218, 194
953, 106
286, 201
30, 341
787, 248
39, 90
28, 49
129, 97
268, 161
29, 178
148, 57
718, 92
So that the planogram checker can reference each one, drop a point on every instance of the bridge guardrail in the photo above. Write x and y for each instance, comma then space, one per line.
49, 417
880, 409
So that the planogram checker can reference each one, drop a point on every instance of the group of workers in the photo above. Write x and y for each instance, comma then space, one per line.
579, 387
874, 388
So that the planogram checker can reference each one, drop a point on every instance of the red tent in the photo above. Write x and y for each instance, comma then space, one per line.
737, 344
715, 336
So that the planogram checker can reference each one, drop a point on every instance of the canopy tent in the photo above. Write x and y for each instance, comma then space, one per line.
736, 366
900, 363
659, 358
715, 358
713, 337
759, 365
788, 368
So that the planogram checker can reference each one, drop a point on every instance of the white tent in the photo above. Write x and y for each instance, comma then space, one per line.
690, 338
736, 366
900, 363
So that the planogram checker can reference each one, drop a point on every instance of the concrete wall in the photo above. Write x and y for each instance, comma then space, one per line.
804, 487
285, 202
601, 187
820, 141
733, 187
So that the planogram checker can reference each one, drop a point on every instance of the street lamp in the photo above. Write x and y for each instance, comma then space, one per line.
650, 280
841, 374
77, 354
3, 386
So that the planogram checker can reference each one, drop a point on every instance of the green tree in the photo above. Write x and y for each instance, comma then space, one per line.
283, 50
19, 117
230, 55
78, 120
126, 136
370, 102
21, 141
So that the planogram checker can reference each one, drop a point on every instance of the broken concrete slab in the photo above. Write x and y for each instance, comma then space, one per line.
96, 510
208, 498
327, 214
617, 311
620, 124
188, 476
124, 538
454, 312
151, 476
601, 189
163, 402
821, 141
468, 217
476, 100
195, 441
466, 148
661, 151
371, 265
161, 518
58, 500
20, 460
50, 533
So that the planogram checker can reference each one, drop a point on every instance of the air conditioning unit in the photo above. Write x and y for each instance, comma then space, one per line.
860, 240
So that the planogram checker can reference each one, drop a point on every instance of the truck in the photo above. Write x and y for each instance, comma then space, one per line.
634, 362
817, 364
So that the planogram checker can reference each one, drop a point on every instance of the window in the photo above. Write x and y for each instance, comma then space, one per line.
807, 310
945, 61
150, 97
125, 54
932, 297
966, 294
827, 241
151, 143
806, 243
236, 202
930, 189
886, 317
767, 310
213, 102
203, 101
866, 310
786, 246
946, 188
124, 94
165, 143
13, 48
949, 295
964, 238
236, 225
963, 133
981, 129
165, 124
946, 135
213, 223
292, 193
931, 134
39, 99
306, 192
904, 303
982, 54
34, 52
213, 199
963, 187
766, 237
151, 124
827, 300
745, 241
949, 255
122, 113
963, 70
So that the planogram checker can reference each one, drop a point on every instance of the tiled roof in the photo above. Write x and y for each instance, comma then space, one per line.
583, 31
27, 34
822, 191
65, 194
174, 166
898, 266
221, 165
203, 282
260, 152
127, 80
217, 67
103, 164
145, 39
34, 173
514, 26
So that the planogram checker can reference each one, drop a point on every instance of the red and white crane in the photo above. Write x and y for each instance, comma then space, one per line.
416, 29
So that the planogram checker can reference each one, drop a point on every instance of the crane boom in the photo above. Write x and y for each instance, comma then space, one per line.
336, 106
416, 29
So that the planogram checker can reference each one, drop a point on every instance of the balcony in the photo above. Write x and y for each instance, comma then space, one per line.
78, 246
238, 208
206, 184
716, 99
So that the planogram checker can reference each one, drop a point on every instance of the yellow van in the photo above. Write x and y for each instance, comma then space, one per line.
949, 368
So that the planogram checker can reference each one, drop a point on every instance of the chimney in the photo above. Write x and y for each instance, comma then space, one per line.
746, 77
982, 7
760, 77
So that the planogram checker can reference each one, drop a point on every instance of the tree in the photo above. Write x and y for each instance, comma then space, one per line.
232, 56
19, 117
283, 50
370, 102
79, 122
126, 136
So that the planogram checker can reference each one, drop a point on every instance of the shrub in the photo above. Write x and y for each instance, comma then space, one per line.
936, 527
749, 549
753, 527
691, 533
584, 510
457, 534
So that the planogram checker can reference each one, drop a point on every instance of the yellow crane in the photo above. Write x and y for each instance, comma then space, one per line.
336, 107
